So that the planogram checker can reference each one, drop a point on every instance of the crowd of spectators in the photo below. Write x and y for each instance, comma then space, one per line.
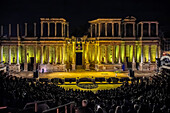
144, 95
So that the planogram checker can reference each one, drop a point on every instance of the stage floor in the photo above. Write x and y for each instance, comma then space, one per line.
79, 74
85, 74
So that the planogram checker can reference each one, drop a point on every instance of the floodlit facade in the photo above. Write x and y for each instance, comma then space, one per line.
113, 44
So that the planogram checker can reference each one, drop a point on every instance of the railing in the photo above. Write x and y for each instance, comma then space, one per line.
36, 104
4, 109
65, 108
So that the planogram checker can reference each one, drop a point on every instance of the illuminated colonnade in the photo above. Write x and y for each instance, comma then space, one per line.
99, 23
56, 21
113, 54
118, 53
149, 32
109, 44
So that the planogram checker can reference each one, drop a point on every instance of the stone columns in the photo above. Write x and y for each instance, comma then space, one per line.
17, 55
141, 29
48, 28
141, 53
2, 30
9, 55
159, 48
157, 51
87, 46
106, 29
99, 30
95, 57
99, 60
141, 63
62, 31
149, 29
113, 29
67, 30
56, 54
125, 58
35, 51
17, 30
119, 29
95, 30
106, 54
73, 58
83, 54
124, 29
25, 63
55, 29
18, 65
134, 29
35, 31
149, 53
9, 30
134, 63
119, 54
60, 54
62, 60
41, 52
25, 29
113, 56
156, 29
134, 53
91, 30
63, 54
87, 59
48, 54
1, 53
41, 28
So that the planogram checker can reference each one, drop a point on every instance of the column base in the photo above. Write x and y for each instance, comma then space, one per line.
25, 67
134, 66
125, 66
141, 67
18, 68
73, 66
120, 63
34, 68
96, 67
87, 66
64, 67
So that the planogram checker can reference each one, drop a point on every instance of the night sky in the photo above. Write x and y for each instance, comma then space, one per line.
79, 12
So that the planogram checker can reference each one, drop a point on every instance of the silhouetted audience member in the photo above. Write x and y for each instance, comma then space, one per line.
84, 108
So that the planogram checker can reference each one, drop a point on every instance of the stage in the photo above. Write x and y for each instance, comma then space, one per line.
83, 74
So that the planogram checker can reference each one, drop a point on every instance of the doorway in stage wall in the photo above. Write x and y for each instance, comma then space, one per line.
79, 58
31, 64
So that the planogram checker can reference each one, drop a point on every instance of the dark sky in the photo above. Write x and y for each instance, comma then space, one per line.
79, 12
